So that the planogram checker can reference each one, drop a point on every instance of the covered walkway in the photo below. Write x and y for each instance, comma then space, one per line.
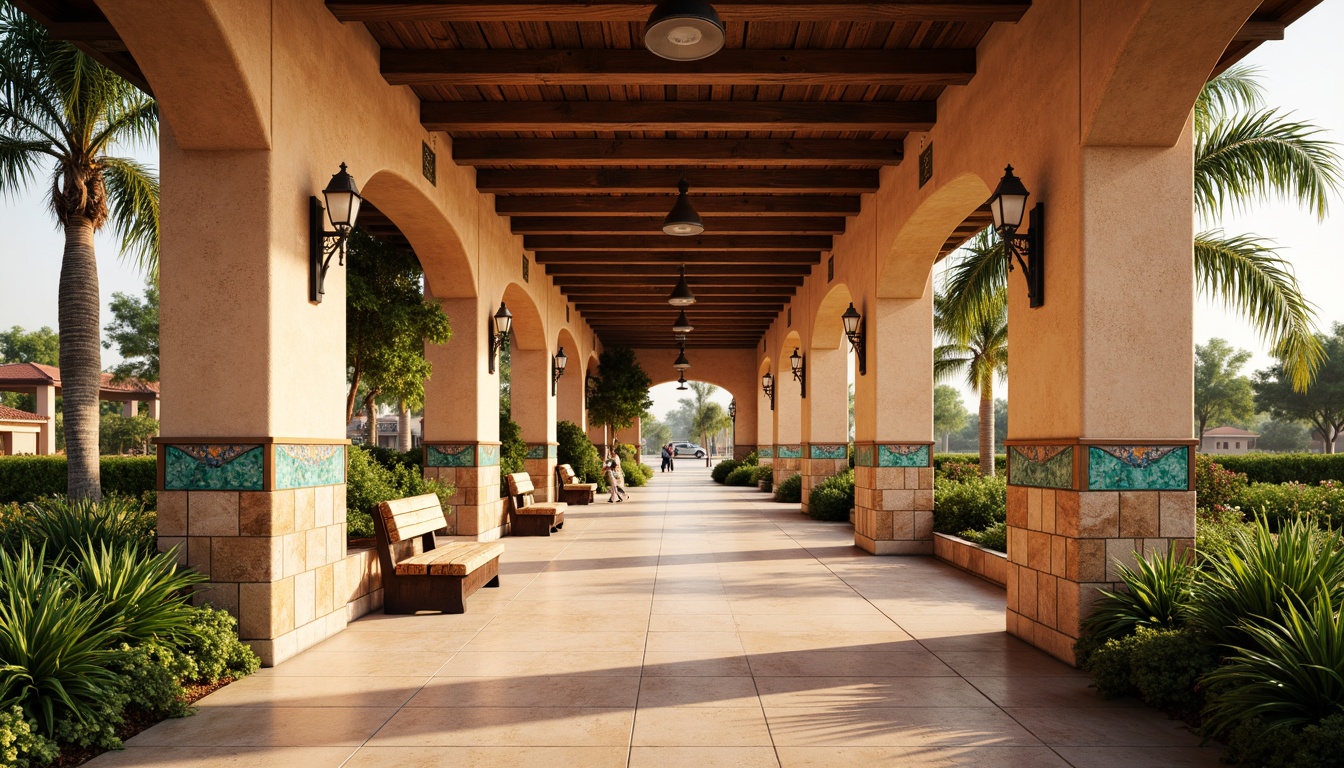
693, 626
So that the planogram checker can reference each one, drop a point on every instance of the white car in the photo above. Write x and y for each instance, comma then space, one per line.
688, 449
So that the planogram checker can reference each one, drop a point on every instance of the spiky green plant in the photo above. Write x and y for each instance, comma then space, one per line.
65, 526
147, 598
1157, 595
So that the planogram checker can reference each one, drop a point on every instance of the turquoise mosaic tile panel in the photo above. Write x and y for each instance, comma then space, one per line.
765, 452
536, 452
450, 455
203, 467
1138, 468
788, 451
902, 455
489, 455
863, 456
306, 466
828, 451
1041, 466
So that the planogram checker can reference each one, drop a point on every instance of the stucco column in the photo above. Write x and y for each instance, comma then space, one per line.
893, 425
153, 408
788, 448
461, 422
1100, 448
825, 416
45, 400
534, 411
130, 409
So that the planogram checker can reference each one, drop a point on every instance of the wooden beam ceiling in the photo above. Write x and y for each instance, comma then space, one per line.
730, 259
602, 267
602, 116
729, 10
640, 205
792, 153
719, 225
604, 181
662, 242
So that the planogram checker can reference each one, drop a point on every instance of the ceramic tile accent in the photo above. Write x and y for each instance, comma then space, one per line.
765, 452
863, 456
542, 451
450, 455
788, 451
1138, 467
1040, 466
305, 466
489, 455
828, 451
213, 467
902, 455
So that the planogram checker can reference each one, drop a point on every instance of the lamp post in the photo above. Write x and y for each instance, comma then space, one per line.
558, 364
498, 332
856, 331
768, 387
797, 364
1008, 205
342, 209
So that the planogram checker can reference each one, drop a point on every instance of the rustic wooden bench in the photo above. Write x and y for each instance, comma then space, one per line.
528, 517
442, 575
571, 490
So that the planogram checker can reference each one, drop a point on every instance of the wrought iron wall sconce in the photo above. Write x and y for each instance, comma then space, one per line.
558, 363
732, 410
1008, 205
856, 330
798, 364
342, 209
497, 333
768, 387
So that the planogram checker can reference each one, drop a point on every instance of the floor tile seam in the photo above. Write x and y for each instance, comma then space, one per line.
1020, 724
648, 628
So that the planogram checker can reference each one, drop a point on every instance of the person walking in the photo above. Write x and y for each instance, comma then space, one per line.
667, 457
671, 458
615, 479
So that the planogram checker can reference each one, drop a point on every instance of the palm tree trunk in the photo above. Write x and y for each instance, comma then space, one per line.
81, 359
403, 427
986, 432
372, 408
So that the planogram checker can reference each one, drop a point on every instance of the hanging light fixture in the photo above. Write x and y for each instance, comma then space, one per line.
682, 220
682, 324
732, 409
682, 363
684, 30
681, 295
342, 199
682, 382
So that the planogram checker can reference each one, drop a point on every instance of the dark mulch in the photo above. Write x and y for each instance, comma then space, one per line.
135, 721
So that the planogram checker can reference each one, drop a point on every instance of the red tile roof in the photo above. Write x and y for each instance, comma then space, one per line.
1230, 432
14, 414
38, 375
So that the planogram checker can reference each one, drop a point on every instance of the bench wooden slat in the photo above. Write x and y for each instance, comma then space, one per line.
457, 559
520, 484
412, 517
439, 578
542, 508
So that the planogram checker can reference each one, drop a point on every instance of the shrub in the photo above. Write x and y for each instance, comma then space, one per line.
958, 471
1215, 530
64, 527
942, 459
391, 458
21, 745
151, 678
1157, 595
994, 537
790, 491
369, 483
214, 650
832, 499
1323, 502
512, 450
1215, 486
1309, 468
763, 472
1163, 666
1316, 746
1108, 665
28, 478
752, 458
744, 474
636, 473
575, 449
974, 504
143, 597
721, 470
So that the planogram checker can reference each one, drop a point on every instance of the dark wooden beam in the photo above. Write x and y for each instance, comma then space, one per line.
718, 225
729, 10
609, 180
600, 266
455, 67
661, 242
1260, 31
633, 288
742, 259
792, 153
602, 116
664, 283
640, 205
651, 301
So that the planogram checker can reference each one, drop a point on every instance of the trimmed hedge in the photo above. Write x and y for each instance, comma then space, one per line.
28, 478
971, 505
939, 459
833, 498
1309, 468
724, 468
790, 491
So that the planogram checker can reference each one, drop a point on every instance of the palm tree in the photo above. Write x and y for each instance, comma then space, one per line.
1243, 154
707, 417
976, 347
62, 113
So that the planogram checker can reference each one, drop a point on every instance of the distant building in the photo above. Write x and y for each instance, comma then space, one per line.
19, 431
357, 431
1225, 440
1318, 442
44, 383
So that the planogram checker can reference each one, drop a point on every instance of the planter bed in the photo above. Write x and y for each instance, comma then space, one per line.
988, 564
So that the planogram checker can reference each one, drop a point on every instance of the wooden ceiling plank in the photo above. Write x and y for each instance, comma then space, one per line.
606, 116
729, 10
455, 67
636, 205
661, 242
624, 258
609, 180
562, 225
793, 153
599, 266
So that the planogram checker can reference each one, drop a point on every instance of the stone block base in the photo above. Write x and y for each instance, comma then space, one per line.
816, 471
893, 510
970, 557
890, 547
477, 509
542, 472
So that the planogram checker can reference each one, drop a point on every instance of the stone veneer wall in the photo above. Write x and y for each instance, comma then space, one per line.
787, 461
820, 461
971, 557
893, 498
540, 466
1064, 543
473, 470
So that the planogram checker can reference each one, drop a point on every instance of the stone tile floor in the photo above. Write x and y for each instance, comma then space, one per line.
692, 626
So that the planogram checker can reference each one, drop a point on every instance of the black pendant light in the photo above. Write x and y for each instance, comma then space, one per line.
682, 363
684, 30
683, 324
682, 382
681, 295
682, 220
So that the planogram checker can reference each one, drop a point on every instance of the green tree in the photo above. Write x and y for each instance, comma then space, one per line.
656, 433
61, 115
1222, 394
1282, 436
119, 434
974, 346
707, 417
135, 331
1244, 154
388, 321
949, 412
621, 393
1323, 402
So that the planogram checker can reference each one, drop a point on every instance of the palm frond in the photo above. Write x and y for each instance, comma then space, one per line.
1265, 155
1252, 280
133, 197
132, 121
974, 285
1237, 88
19, 161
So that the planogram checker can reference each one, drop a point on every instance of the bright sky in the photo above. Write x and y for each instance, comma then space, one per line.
1303, 74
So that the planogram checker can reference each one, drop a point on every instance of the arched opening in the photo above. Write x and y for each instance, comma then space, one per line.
905, 267
789, 410
569, 389
765, 406
826, 409
435, 241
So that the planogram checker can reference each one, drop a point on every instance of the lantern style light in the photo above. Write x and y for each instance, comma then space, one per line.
798, 366
682, 363
558, 363
768, 387
682, 382
1008, 205
684, 30
732, 409
682, 325
498, 332
855, 330
682, 220
342, 210
681, 294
